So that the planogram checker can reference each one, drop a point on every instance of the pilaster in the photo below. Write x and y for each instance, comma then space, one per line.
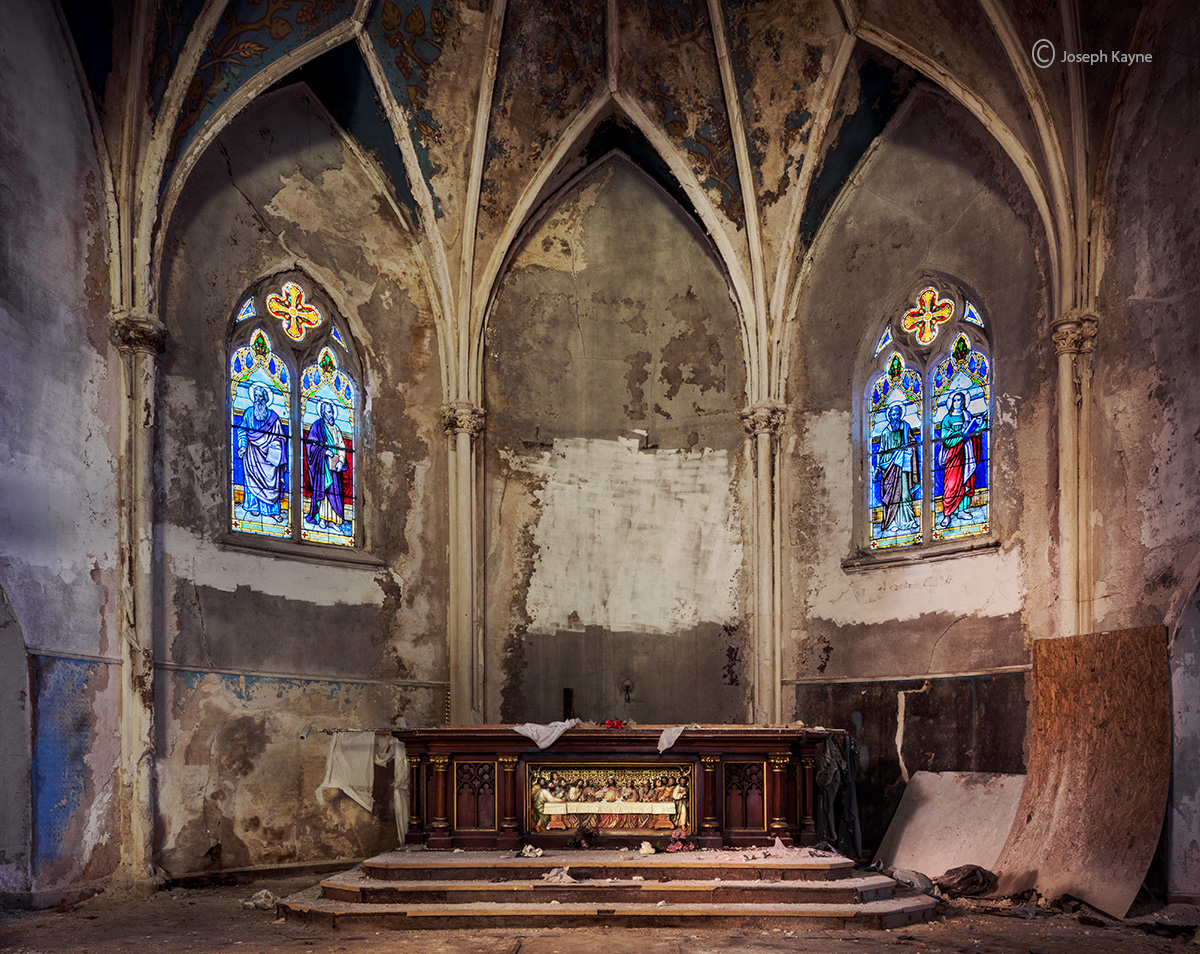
464, 423
763, 424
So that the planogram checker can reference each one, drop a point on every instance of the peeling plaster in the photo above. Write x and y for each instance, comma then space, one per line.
991, 584
191, 557
659, 505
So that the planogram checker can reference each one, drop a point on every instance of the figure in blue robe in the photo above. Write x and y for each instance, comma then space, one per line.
325, 460
262, 446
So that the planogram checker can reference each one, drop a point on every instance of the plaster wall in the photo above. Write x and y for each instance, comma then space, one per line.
59, 388
1145, 440
257, 643
614, 489
934, 198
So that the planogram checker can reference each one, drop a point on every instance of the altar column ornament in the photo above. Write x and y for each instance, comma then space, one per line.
778, 826
464, 423
439, 827
710, 828
416, 801
762, 424
1074, 336
808, 765
140, 338
509, 827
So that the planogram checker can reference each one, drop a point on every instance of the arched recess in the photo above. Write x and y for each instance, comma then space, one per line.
622, 122
613, 482
16, 825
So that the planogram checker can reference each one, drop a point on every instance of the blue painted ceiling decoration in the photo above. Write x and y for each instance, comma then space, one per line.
175, 18
551, 66
250, 35
408, 37
682, 89
766, 103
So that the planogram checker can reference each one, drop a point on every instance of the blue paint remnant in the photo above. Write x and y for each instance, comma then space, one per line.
175, 20
857, 719
408, 37
883, 83
62, 736
248, 688
249, 36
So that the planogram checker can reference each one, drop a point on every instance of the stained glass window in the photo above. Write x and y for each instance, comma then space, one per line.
275, 420
961, 391
327, 415
927, 419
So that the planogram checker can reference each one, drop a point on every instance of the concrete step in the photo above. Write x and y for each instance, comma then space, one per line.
726, 865
354, 887
310, 908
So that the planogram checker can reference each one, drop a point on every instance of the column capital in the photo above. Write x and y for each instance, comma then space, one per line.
763, 419
138, 330
463, 417
1074, 332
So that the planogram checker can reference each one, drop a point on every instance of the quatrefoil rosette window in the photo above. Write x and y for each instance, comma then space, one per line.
927, 418
294, 417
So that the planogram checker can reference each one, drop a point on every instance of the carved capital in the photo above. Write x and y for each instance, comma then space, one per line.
1074, 333
764, 418
710, 762
779, 763
439, 762
134, 331
463, 417
508, 762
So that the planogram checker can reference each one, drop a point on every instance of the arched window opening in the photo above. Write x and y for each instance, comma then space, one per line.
927, 419
294, 417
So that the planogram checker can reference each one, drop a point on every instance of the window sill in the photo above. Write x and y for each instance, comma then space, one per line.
866, 560
304, 552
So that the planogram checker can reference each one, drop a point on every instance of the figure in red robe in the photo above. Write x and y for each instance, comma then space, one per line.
959, 456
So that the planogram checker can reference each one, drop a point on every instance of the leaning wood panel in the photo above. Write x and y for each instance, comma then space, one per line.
1099, 764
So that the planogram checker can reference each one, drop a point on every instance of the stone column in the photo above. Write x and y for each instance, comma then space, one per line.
762, 424
1074, 338
140, 338
464, 423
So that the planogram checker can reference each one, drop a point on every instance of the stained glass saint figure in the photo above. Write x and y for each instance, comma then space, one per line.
895, 423
260, 445
327, 416
961, 435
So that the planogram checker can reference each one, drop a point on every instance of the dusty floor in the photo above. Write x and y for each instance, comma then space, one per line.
213, 920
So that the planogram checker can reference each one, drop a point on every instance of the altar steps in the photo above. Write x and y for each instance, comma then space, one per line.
494, 890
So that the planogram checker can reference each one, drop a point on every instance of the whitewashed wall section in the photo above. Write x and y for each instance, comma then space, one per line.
615, 521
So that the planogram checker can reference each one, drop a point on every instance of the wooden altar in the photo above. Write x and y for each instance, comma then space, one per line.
488, 786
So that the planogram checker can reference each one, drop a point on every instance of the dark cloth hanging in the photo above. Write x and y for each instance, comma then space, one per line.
836, 820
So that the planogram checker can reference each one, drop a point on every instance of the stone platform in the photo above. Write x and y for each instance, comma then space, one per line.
781, 887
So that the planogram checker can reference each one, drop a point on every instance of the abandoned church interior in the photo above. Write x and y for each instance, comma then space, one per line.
475, 363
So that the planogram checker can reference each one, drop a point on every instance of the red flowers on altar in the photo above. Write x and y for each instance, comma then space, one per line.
614, 724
